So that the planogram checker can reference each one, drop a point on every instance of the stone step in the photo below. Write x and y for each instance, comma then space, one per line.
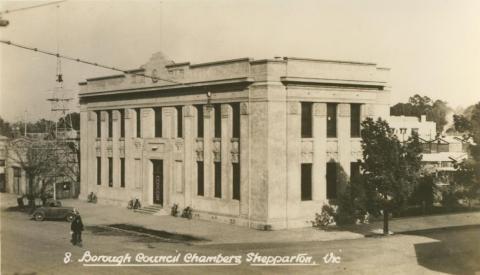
156, 210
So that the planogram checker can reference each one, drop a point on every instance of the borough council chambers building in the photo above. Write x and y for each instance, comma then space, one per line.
257, 143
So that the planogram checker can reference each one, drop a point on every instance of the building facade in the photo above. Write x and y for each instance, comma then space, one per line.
257, 143
405, 126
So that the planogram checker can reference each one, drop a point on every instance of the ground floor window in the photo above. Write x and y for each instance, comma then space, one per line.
306, 181
110, 172
218, 179
99, 171
332, 180
236, 181
200, 182
122, 172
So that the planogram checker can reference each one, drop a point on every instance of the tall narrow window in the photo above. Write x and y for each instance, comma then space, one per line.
110, 123
199, 121
331, 120
200, 182
122, 172
122, 123
158, 121
354, 170
236, 181
218, 120
179, 121
236, 120
99, 171
110, 172
306, 123
355, 120
331, 180
218, 179
306, 181
139, 126
99, 124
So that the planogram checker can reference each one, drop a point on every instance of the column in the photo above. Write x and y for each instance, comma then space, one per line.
344, 144
319, 192
148, 122
226, 155
167, 121
208, 126
84, 163
116, 147
189, 122
104, 152
130, 134
244, 159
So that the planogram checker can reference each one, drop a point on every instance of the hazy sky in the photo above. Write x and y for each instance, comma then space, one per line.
432, 47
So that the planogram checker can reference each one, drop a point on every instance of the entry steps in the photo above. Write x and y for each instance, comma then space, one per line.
155, 209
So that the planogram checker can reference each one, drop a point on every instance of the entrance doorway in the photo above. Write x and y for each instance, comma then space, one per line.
157, 181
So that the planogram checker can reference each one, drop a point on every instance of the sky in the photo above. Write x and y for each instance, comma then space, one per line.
431, 46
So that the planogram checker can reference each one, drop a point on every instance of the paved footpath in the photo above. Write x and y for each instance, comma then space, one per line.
218, 233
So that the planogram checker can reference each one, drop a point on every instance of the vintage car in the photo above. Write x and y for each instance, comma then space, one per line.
54, 210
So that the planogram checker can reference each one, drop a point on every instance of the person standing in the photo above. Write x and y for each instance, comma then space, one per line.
77, 228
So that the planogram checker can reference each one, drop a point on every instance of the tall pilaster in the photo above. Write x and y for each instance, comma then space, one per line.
344, 142
226, 155
116, 147
294, 156
319, 152
189, 118
208, 126
103, 150
244, 159
130, 134
148, 122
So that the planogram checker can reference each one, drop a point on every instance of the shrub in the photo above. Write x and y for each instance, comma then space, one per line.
325, 218
351, 204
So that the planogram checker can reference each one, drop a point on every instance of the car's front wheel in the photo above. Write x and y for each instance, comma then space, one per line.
70, 217
39, 216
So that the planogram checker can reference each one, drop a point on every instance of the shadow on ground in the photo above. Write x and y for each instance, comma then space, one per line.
457, 250
142, 234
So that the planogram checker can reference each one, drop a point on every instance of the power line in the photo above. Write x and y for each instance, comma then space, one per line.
58, 55
31, 7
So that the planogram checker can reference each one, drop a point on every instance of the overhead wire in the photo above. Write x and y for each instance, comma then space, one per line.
79, 60
30, 7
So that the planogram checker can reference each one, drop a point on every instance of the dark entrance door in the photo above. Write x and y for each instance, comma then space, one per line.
158, 182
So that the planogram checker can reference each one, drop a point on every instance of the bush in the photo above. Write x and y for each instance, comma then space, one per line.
351, 204
325, 218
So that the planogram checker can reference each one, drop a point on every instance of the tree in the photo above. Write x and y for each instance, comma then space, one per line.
5, 128
467, 176
418, 105
390, 169
36, 158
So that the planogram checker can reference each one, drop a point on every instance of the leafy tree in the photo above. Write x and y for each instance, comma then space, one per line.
36, 158
71, 118
418, 105
467, 176
5, 128
390, 168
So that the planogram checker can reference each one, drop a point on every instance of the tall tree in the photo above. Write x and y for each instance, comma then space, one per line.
418, 105
390, 168
5, 128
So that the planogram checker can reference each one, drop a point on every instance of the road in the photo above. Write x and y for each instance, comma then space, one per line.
29, 247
